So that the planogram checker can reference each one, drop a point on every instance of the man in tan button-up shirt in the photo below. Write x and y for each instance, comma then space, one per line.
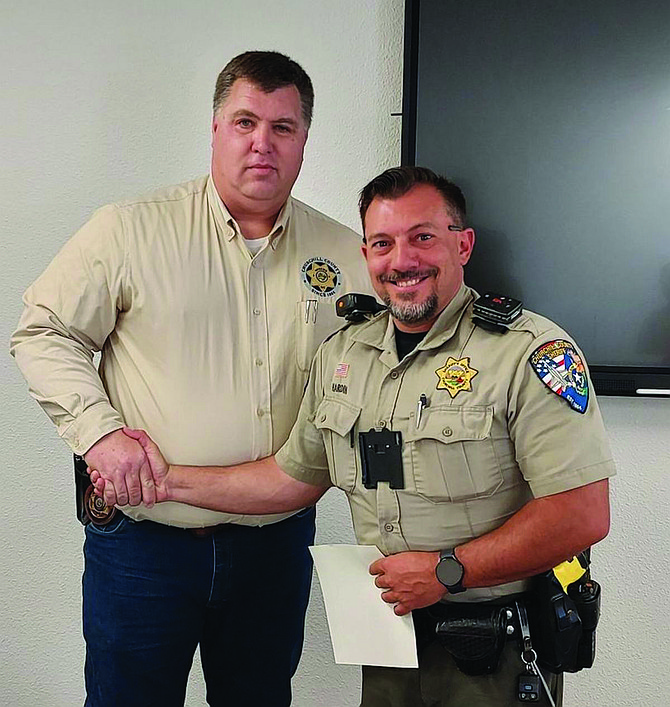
207, 300
503, 453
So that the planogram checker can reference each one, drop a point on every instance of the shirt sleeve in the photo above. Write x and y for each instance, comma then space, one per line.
69, 312
558, 447
303, 455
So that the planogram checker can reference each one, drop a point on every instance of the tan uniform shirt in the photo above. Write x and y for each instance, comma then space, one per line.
491, 437
205, 347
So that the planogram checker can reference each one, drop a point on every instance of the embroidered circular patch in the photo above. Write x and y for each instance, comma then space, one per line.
321, 276
562, 370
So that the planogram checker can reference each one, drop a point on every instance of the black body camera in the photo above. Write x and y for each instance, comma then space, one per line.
381, 458
355, 307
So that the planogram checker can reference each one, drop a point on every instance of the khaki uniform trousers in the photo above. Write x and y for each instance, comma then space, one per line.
439, 683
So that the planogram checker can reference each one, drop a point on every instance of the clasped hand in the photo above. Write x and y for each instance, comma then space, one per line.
127, 468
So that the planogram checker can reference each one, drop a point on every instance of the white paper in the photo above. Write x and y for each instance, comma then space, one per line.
363, 628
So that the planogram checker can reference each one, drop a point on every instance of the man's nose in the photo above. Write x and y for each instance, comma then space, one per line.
263, 139
404, 256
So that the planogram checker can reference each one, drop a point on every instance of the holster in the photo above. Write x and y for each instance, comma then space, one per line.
474, 635
81, 485
563, 625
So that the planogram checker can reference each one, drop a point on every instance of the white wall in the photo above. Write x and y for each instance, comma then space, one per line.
101, 101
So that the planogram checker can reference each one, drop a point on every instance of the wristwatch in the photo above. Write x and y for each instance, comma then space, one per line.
450, 571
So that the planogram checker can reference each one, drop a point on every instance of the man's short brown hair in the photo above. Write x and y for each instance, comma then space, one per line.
269, 71
397, 181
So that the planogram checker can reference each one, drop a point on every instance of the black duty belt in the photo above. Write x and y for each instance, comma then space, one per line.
473, 633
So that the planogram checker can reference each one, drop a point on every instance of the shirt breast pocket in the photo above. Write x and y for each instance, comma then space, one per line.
314, 321
453, 458
336, 419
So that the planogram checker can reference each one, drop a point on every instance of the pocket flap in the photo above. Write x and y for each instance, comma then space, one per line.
336, 415
453, 424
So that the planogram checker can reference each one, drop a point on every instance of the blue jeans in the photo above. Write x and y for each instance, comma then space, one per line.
152, 593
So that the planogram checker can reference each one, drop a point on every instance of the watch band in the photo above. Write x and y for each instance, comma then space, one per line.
450, 572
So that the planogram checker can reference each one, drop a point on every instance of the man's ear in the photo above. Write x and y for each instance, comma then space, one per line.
466, 243
215, 125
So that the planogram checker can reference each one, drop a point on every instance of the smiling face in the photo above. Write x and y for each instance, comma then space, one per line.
414, 258
258, 141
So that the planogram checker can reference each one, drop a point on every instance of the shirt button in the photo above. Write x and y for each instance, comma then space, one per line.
259, 362
388, 527
322, 418
447, 432
257, 312
260, 412
394, 374
381, 423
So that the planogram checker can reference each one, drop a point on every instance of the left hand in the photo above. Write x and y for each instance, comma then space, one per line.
409, 580
108, 489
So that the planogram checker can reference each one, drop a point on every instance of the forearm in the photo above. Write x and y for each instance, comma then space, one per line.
69, 313
256, 487
541, 535
65, 383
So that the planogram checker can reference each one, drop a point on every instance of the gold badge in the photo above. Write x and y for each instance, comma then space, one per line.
456, 375
321, 276
97, 511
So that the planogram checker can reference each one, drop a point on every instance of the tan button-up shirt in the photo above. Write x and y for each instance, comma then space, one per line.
205, 347
490, 436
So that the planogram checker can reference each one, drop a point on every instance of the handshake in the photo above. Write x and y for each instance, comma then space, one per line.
126, 467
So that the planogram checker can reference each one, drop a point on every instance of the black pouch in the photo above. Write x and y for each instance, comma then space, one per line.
587, 600
474, 636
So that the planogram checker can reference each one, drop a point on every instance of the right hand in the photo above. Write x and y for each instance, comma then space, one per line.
159, 467
122, 463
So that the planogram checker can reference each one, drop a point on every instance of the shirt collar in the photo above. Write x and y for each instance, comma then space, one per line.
228, 227
379, 332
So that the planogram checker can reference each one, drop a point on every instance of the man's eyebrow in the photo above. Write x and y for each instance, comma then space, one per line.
291, 121
423, 224
244, 113
415, 227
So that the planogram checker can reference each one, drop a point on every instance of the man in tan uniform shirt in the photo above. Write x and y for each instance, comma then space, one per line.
208, 300
504, 471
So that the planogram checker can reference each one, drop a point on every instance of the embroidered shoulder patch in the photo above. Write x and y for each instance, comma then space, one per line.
562, 370
456, 375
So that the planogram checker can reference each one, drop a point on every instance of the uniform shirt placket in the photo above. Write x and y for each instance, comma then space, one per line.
259, 372
388, 507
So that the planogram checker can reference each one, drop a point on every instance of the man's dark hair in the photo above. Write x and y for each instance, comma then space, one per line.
397, 181
269, 71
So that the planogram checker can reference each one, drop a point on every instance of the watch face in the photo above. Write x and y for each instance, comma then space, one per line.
449, 571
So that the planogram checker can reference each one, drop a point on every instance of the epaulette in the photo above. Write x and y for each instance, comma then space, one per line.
495, 312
